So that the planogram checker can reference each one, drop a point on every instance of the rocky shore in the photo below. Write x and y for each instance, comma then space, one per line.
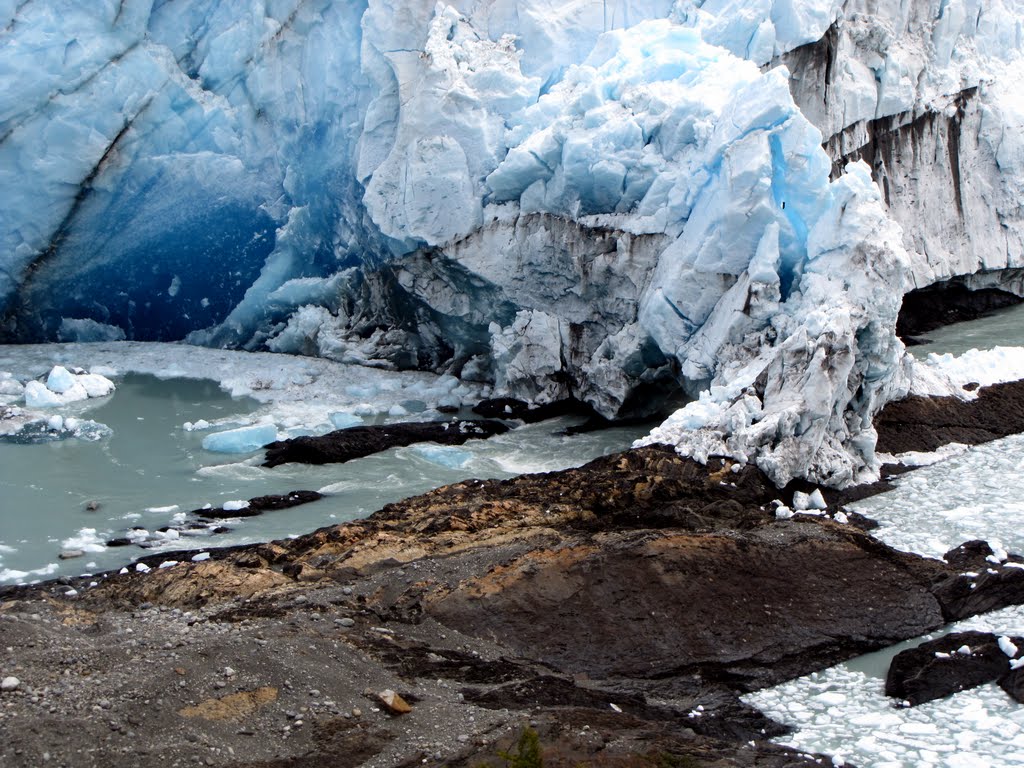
618, 609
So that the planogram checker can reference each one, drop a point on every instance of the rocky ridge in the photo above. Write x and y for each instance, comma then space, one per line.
619, 609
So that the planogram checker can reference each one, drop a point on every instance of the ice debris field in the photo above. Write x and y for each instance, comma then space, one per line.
299, 395
170, 445
844, 712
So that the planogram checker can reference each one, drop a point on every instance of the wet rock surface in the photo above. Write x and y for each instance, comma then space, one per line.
261, 504
947, 665
202, 523
620, 608
927, 423
355, 442
1013, 683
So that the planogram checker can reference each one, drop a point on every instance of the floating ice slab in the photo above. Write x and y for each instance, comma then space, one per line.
294, 390
242, 440
342, 420
445, 455
63, 387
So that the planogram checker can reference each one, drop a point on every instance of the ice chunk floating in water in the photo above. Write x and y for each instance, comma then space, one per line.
445, 455
241, 440
63, 387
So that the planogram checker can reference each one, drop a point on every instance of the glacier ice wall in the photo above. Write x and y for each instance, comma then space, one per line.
602, 200
162, 163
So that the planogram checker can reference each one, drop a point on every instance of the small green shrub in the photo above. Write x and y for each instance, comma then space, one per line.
527, 752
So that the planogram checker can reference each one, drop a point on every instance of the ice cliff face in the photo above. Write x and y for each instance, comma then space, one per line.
604, 200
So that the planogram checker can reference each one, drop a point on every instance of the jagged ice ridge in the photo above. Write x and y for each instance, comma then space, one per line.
604, 200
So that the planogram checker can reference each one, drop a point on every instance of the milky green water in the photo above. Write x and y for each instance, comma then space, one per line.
1005, 327
150, 461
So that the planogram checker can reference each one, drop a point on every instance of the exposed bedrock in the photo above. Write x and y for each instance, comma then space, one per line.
925, 423
952, 663
554, 567
351, 443
642, 580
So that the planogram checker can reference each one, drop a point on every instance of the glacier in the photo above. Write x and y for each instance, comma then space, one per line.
613, 201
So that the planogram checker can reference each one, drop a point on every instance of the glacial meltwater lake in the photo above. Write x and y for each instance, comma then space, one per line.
1004, 327
152, 468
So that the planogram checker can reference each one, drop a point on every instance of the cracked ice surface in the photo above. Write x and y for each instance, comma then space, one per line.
843, 711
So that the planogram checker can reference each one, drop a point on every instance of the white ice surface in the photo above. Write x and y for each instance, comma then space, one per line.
844, 711
974, 494
946, 374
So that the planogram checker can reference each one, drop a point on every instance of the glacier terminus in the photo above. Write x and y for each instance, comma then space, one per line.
613, 201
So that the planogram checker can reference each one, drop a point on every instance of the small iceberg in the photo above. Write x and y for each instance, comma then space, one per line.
241, 440
42, 430
444, 455
342, 420
63, 387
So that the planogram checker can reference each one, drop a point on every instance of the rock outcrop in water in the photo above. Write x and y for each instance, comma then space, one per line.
356, 442
953, 663
925, 423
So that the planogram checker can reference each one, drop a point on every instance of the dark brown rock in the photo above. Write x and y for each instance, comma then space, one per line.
994, 587
933, 307
936, 669
261, 504
1013, 683
969, 556
926, 423
641, 577
511, 408
355, 442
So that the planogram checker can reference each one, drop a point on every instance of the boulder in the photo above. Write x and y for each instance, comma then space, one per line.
938, 668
